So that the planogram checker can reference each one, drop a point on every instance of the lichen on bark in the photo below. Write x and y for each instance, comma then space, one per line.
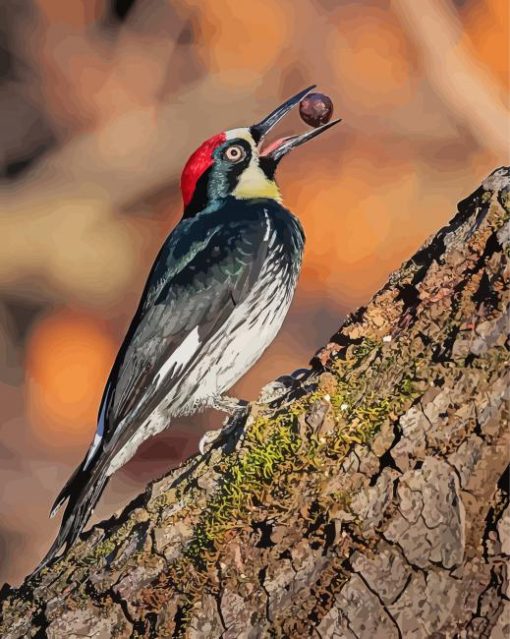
371, 502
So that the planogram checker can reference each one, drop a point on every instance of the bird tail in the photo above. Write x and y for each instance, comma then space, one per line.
82, 492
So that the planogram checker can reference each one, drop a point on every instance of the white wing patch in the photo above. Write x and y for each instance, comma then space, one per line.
99, 431
94, 446
158, 420
181, 356
174, 363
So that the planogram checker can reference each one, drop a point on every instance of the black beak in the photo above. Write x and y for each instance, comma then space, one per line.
276, 151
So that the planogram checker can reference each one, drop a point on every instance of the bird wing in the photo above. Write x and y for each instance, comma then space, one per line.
210, 270
204, 269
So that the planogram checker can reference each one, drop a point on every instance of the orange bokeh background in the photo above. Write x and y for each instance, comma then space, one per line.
69, 356
103, 101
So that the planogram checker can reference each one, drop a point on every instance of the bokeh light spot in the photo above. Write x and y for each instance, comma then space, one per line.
68, 359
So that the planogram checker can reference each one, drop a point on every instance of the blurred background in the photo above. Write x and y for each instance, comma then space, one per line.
102, 101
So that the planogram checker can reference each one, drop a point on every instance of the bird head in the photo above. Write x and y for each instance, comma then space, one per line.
235, 162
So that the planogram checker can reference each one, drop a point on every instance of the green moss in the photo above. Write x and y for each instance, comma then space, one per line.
407, 387
281, 448
504, 196
268, 444
109, 544
274, 453
103, 549
366, 347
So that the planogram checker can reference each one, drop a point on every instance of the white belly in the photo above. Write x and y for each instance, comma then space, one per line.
238, 348
232, 351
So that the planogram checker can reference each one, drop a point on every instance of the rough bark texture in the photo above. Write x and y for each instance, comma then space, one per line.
372, 503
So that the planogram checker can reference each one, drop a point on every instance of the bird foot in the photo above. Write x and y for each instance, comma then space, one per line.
237, 409
282, 387
207, 440
230, 405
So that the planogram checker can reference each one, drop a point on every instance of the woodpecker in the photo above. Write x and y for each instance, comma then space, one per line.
215, 298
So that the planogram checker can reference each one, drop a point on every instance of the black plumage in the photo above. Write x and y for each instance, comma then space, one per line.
214, 300
206, 268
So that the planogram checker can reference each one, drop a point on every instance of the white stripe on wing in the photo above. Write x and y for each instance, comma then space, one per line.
181, 356
99, 430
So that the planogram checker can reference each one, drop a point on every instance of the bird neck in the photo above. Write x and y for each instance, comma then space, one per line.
254, 184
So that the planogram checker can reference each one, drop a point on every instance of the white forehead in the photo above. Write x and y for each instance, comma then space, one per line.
243, 133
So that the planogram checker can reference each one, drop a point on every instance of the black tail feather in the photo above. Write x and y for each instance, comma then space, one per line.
68, 489
83, 490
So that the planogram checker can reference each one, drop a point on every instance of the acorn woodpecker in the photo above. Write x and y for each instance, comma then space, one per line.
214, 300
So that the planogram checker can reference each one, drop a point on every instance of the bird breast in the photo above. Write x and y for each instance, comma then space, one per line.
253, 324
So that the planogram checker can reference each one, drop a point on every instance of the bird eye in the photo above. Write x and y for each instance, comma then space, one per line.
235, 153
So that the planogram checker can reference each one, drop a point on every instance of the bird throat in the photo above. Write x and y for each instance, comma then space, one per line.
254, 183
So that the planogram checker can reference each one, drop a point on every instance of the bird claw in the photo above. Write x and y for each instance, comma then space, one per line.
207, 440
230, 405
282, 386
231, 423
237, 409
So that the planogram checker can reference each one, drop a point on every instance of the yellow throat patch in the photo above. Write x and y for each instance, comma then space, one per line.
254, 183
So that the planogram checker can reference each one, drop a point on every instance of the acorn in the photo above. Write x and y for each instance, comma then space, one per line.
316, 109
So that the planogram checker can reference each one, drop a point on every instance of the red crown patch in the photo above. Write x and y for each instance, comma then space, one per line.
198, 162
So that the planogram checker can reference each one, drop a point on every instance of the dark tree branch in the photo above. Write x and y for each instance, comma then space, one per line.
373, 504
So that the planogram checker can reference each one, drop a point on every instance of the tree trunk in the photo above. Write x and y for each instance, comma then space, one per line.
371, 502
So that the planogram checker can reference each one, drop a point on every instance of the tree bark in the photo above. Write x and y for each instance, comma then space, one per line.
370, 502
